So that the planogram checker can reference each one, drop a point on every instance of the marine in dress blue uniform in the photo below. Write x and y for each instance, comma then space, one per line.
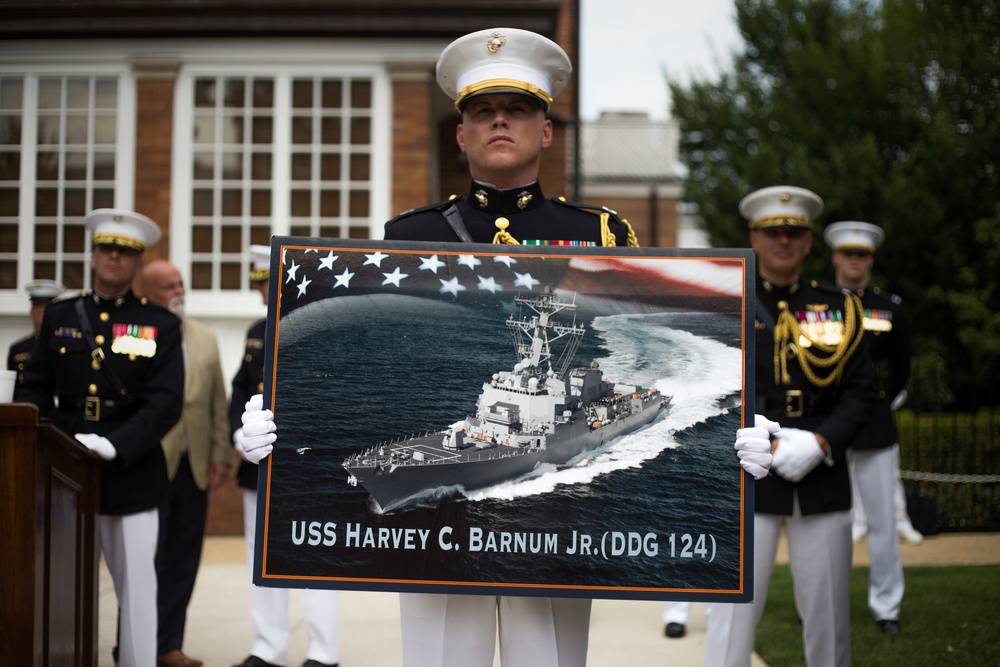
41, 293
114, 378
813, 374
874, 453
269, 606
503, 81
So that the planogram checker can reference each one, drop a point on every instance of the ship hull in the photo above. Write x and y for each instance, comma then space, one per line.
441, 469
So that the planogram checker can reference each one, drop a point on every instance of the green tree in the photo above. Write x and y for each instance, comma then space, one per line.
891, 112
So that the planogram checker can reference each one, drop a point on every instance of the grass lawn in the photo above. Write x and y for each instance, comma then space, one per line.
949, 617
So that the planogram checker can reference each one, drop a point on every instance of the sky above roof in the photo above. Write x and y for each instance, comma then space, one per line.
626, 45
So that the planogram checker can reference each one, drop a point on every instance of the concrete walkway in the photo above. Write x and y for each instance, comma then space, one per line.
622, 632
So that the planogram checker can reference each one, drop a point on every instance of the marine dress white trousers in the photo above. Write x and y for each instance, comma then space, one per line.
875, 472
819, 553
269, 610
129, 545
461, 630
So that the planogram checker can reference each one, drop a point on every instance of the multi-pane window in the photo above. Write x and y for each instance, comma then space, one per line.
60, 149
283, 153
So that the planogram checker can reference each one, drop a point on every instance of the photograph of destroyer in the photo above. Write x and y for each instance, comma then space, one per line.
544, 410
506, 420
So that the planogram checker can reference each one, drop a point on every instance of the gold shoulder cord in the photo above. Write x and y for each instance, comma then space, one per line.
787, 333
503, 236
607, 236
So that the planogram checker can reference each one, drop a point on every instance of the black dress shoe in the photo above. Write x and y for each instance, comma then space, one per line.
888, 626
317, 663
675, 630
254, 661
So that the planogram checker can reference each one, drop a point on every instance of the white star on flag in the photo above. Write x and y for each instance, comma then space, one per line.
292, 270
451, 287
394, 278
302, 286
489, 284
375, 258
327, 262
431, 264
525, 280
470, 261
344, 279
505, 259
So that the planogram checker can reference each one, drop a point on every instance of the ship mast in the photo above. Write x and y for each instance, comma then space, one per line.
533, 336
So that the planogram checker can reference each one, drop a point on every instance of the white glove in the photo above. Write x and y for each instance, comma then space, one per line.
753, 446
258, 430
238, 442
98, 444
798, 452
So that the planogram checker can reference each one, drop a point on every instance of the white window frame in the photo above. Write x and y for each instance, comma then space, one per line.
246, 302
14, 302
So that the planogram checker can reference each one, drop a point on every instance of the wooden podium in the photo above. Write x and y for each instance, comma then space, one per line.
49, 544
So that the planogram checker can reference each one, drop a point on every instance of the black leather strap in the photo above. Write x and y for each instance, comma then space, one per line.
97, 353
763, 316
456, 223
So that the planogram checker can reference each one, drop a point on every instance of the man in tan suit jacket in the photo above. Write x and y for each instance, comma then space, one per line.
198, 454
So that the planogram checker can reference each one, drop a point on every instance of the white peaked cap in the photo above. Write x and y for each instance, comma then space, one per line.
43, 290
112, 226
260, 262
854, 235
781, 206
503, 60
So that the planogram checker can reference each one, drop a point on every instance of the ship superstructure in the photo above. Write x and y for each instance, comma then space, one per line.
541, 411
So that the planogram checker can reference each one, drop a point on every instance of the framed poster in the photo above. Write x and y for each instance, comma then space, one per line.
517, 420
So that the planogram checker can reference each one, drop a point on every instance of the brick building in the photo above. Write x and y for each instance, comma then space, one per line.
228, 121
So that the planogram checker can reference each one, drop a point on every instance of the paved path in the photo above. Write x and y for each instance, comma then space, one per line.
622, 632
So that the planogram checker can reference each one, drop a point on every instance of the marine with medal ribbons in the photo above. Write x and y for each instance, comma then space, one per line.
813, 374
503, 81
874, 454
108, 368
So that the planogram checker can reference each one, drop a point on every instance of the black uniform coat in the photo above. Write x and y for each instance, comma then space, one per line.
249, 380
532, 217
18, 354
141, 341
837, 413
890, 340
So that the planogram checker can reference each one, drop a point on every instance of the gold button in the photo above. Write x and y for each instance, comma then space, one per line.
105, 317
119, 302
62, 350
92, 390
249, 358
99, 339
96, 365
260, 388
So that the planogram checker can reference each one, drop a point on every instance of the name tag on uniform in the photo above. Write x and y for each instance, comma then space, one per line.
135, 340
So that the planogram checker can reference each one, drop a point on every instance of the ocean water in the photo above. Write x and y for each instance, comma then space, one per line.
655, 513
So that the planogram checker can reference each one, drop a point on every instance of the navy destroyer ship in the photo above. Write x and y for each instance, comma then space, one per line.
540, 412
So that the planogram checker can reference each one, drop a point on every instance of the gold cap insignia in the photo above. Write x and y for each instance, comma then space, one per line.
494, 41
